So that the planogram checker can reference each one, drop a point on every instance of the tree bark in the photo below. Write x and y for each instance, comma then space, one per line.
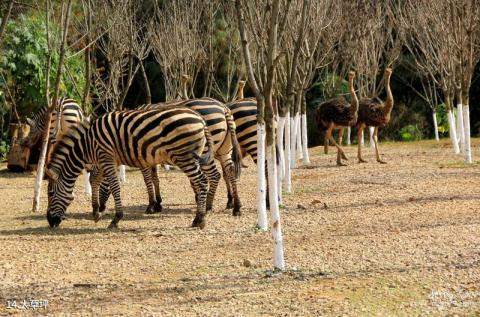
288, 175
349, 135
460, 127
435, 125
371, 130
466, 125
5, 20
281, 165
146, 86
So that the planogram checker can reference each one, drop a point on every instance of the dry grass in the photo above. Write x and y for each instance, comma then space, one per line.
395, 239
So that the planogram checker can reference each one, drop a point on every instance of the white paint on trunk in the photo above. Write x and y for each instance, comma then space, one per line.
435, 126
349, 135
281, 154
262, 222
288, 175
466, 126
371, 129
452, 131
281, 163
38, 180
86, 182
306, 157
166, 167
299, 136
121, 174
460, 128
293, 141
278, 258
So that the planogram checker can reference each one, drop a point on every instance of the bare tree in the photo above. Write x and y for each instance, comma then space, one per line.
177, 42
263, 21
5, 17
65, 17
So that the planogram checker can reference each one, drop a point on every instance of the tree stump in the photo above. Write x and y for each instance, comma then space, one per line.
18, 155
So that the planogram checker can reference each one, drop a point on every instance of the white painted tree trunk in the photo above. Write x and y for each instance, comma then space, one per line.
278, 258
38, 180
306, 157
452, 131
435, 125
293, 141
349, 135
362, 140
288, 175
262, 222
371, 129
281, 165
86, 182
121, 174
460, 128
466, 126
299, 136
166, 167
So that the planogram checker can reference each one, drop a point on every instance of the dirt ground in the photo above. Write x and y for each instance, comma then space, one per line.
363, 240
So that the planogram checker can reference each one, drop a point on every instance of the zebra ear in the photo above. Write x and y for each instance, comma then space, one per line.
51, 174
30, 122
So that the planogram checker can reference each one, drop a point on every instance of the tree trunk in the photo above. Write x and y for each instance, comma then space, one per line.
293, 141
460, 127
281, 165
288, 176
435, 126
466, 125
5, 20
298, 124
86, 183
306, 157
262, 222
278, 257
349, 135
148, 94
121, 174
452, 131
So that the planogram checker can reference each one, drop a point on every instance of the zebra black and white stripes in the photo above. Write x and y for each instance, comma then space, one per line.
143, 139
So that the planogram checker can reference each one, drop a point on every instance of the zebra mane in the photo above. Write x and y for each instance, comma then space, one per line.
66, 143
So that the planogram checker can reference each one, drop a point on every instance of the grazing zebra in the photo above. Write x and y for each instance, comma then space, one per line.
143, 139
226, 148
71, 114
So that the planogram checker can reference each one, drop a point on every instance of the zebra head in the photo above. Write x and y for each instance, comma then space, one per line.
36, 124
60, 195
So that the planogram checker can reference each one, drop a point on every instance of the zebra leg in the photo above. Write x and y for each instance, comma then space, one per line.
110, 174
213, 176
95, 181
147, 178
231, 180
156, 183
104, 194
229, 190
200, 184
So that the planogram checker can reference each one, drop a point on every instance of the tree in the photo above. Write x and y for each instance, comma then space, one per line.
65, 17
264, 18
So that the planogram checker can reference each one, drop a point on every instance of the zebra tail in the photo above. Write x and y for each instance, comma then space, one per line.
236, 153
205, 159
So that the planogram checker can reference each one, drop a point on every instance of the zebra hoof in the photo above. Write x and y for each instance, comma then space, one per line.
113, 225
237, 212
229, 205
158, 207
199, 222
97, 216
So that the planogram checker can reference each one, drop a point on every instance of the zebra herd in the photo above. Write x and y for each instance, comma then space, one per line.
187, 133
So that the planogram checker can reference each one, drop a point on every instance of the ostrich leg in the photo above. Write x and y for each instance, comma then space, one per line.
375, 140
340, 154
360, 138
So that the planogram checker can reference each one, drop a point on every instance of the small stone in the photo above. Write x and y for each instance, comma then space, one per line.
411, 199
247, 263
325, 205
300, 206
316, 201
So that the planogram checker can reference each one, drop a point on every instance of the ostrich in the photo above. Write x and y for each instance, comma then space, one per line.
336, 114
374, 113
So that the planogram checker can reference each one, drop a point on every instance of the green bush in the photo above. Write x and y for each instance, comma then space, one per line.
410, 132
442, 119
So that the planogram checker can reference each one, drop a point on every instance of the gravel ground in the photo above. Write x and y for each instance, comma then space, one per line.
362, 240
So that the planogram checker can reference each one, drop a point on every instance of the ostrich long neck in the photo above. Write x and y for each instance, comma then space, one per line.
354, 107
389, 101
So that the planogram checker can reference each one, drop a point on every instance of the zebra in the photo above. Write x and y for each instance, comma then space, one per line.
138, 138
71, 114
226, 148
